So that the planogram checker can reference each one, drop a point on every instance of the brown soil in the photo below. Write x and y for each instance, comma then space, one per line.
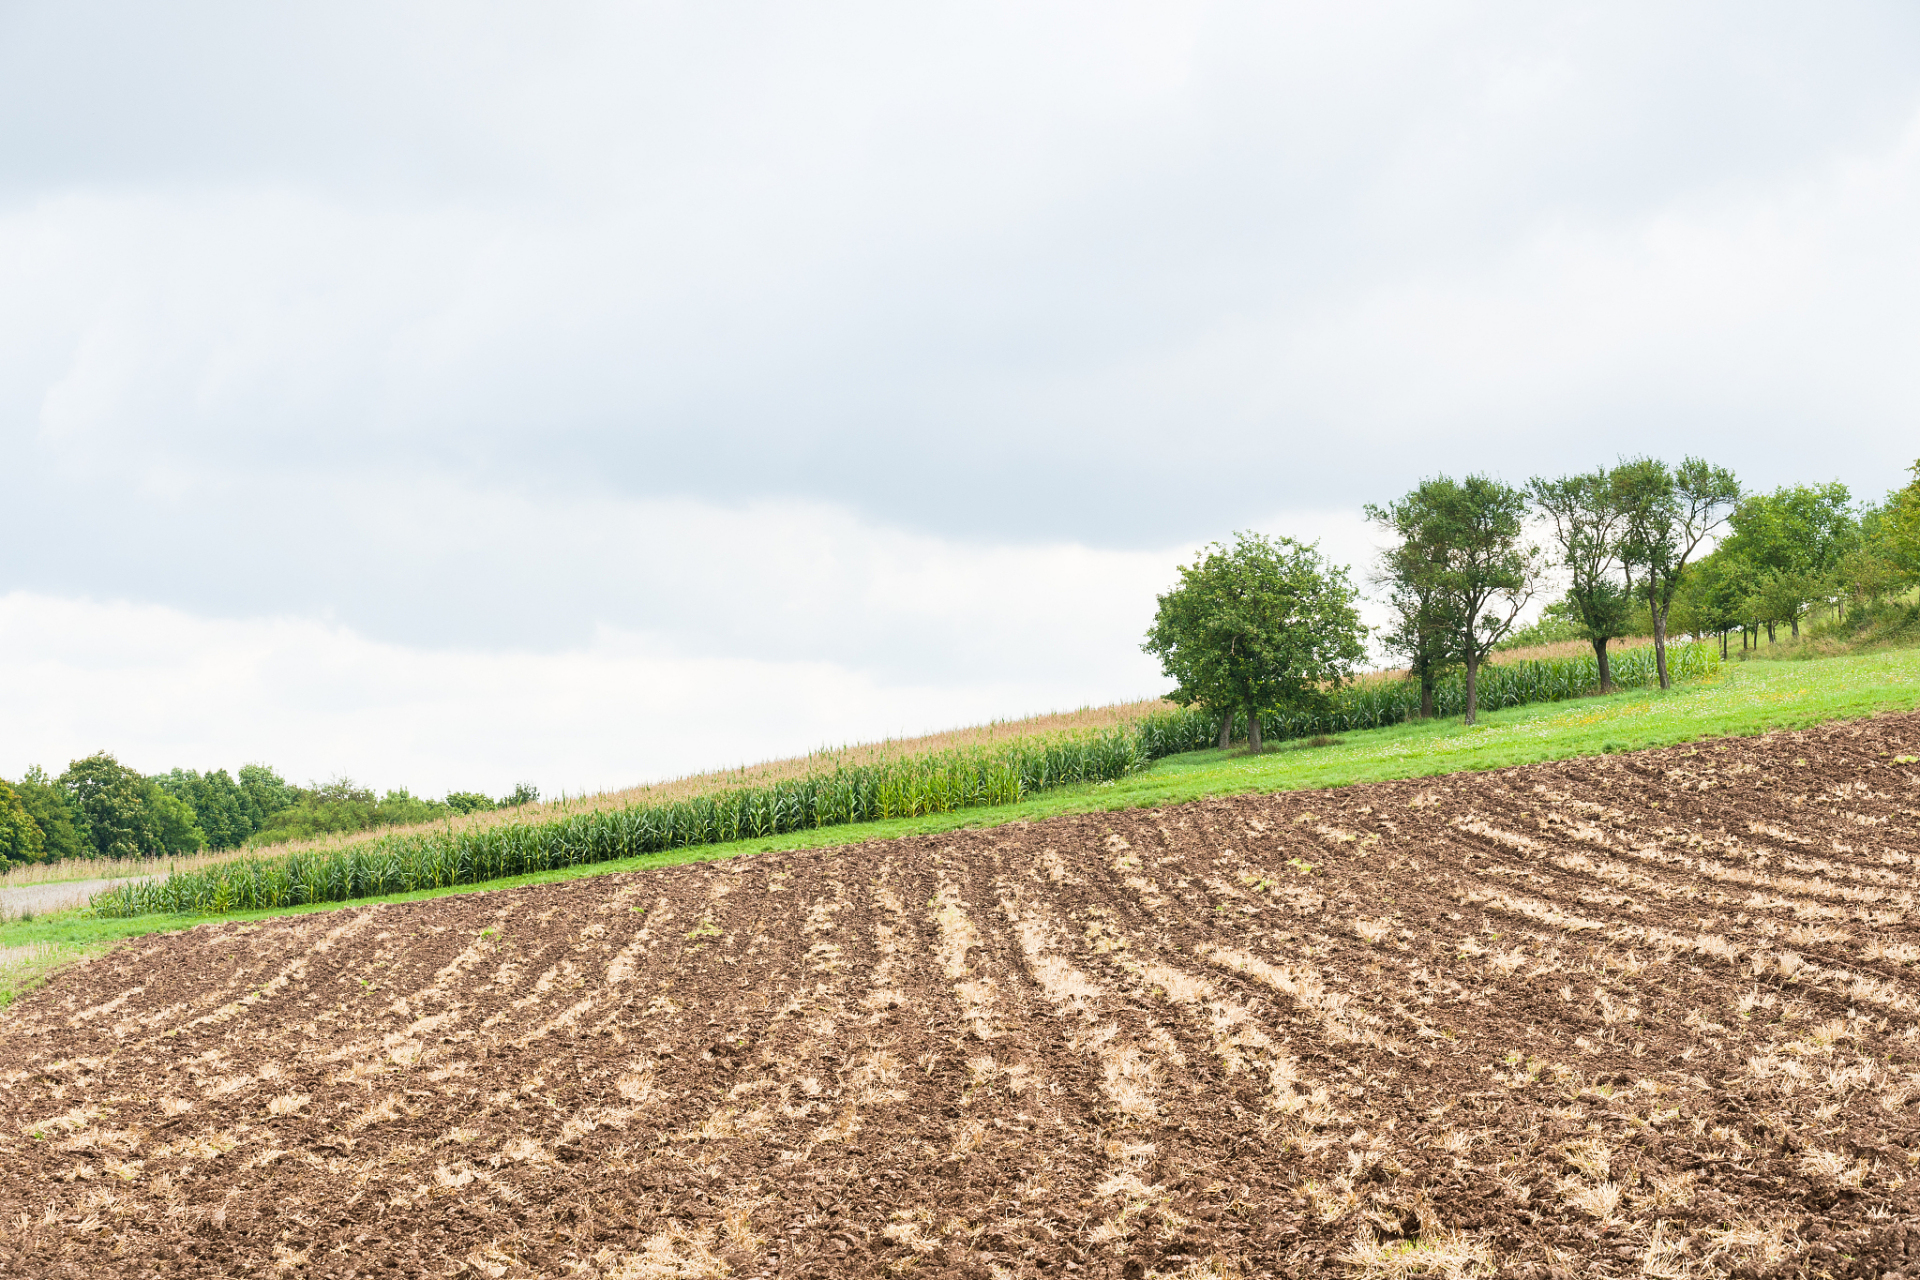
1638, 1014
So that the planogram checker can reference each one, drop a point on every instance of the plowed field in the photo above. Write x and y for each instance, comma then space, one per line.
1650, 1014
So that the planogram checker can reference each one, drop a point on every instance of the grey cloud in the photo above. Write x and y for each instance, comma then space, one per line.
284, 280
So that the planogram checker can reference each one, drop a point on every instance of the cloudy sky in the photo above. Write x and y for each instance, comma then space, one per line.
452, 394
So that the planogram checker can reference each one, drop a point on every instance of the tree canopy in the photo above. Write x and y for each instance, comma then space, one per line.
20, 838
102, 808
1900, 531
1789, 545
1422, 629
1587, 516
109, 806
1464, 560
42, 797
1669, 513
1261, 626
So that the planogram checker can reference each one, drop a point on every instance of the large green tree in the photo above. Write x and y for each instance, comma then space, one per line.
43, 798
20, 838
267, 794
1886, 558
222, 809
1588, 518
1421, 629
1670, 512
1464, 548
174, 828
1794, 542
1871, 571
1715, 597
109, 806
125, 815
1264, 625
1900, 528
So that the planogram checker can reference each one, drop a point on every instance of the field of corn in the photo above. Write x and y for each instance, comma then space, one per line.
904, 787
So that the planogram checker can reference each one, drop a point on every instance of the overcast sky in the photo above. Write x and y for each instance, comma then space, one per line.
447, 395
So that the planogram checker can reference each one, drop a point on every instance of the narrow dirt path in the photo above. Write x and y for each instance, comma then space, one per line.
41, 898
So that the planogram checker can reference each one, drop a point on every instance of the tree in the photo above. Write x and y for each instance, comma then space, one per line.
464, 802
172, 824
1795, 540
1464, 547
1265, 625
1587, 521
1713, 597
20, 838
109, 806
1898, 531
225, 810
267, 795
344, 805
1776, 596
1872, 570
43, 799
1422, 630
1669, 512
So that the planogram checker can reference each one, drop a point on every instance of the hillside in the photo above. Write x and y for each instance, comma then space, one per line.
997, 733
1649, 1012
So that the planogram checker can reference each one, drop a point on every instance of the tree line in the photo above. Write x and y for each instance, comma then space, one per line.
101, 808
1644, 548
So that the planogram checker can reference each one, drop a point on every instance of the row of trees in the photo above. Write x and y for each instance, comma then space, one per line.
100, 807
1464, 566
1785, 556
1269, 625
1801, 551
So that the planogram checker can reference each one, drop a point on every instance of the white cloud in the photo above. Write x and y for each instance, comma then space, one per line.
161, 688
780, 628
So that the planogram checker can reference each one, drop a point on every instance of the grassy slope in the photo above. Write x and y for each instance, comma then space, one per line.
1748, 698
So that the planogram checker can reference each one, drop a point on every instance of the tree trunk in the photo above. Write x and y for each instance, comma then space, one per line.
1600, 661
1723, 646
1226, 728
1426, 692
1771, 638
1794, 622
1253, 731
1473, 687
1660, 647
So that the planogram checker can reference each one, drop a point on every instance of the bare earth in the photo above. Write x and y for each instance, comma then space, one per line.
1650, 1014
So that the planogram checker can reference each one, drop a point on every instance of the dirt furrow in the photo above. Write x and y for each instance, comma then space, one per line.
1654, 1014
